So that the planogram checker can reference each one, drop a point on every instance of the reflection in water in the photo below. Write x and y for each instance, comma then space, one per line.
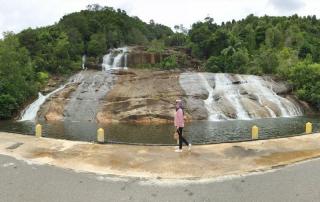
198, 132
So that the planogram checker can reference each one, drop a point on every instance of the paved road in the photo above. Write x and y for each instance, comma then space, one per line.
23, 182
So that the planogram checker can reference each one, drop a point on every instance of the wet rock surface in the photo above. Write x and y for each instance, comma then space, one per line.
85, 102
148, 96
232, 96
81, 99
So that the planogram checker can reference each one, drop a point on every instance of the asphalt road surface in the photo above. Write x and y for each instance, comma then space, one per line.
24, 182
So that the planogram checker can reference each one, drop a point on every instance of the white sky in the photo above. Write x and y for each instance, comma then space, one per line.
16, 15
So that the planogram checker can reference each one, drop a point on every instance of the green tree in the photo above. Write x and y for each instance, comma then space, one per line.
215, 64
268, 61
97, 45
305, 78
17, 82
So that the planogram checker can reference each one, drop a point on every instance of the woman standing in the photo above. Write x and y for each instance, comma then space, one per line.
179, 124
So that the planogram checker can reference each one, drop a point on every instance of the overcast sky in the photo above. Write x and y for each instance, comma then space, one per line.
16, 15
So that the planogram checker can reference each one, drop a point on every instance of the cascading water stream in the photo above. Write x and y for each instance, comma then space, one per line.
209, 104
286, 107
107, 62
83, 61
232, 94
116, 59
30, 113
241, 97
126, 60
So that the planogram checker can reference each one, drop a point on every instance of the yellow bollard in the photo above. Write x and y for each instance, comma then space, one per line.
38, 130
308, 128
100, 135
255, 133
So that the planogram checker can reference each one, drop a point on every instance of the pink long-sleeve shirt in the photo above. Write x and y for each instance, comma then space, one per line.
178, 119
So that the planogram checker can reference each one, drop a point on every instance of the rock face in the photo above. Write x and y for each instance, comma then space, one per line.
148, 96
139, 56
142, 96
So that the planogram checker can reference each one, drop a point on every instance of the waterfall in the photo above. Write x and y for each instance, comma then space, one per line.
240, 97
126, 60
287, 108
30, 113
116, 59
267, 93
213, 111
107, 62
231, 93
83, 61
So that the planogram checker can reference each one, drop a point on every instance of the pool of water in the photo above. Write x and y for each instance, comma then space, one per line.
198, 132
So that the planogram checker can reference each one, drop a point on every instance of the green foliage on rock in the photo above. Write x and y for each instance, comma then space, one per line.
156, 46
42, 77
169, 62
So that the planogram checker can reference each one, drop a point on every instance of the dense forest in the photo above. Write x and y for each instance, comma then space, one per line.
287, 47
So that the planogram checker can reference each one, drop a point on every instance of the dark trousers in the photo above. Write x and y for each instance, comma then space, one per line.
181, 138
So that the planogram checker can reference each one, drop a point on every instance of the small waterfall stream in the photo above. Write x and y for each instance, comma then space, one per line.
209, 101
30, 113
231, 93
116, 59
83, 65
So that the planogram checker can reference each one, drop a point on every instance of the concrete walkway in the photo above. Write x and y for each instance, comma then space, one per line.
203, 162
22, 182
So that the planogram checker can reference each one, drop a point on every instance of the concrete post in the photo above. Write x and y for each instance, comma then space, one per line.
308, 128
100, 135
38, 130
255, 133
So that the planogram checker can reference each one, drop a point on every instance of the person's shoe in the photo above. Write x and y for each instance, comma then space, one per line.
189, 147
178, 150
